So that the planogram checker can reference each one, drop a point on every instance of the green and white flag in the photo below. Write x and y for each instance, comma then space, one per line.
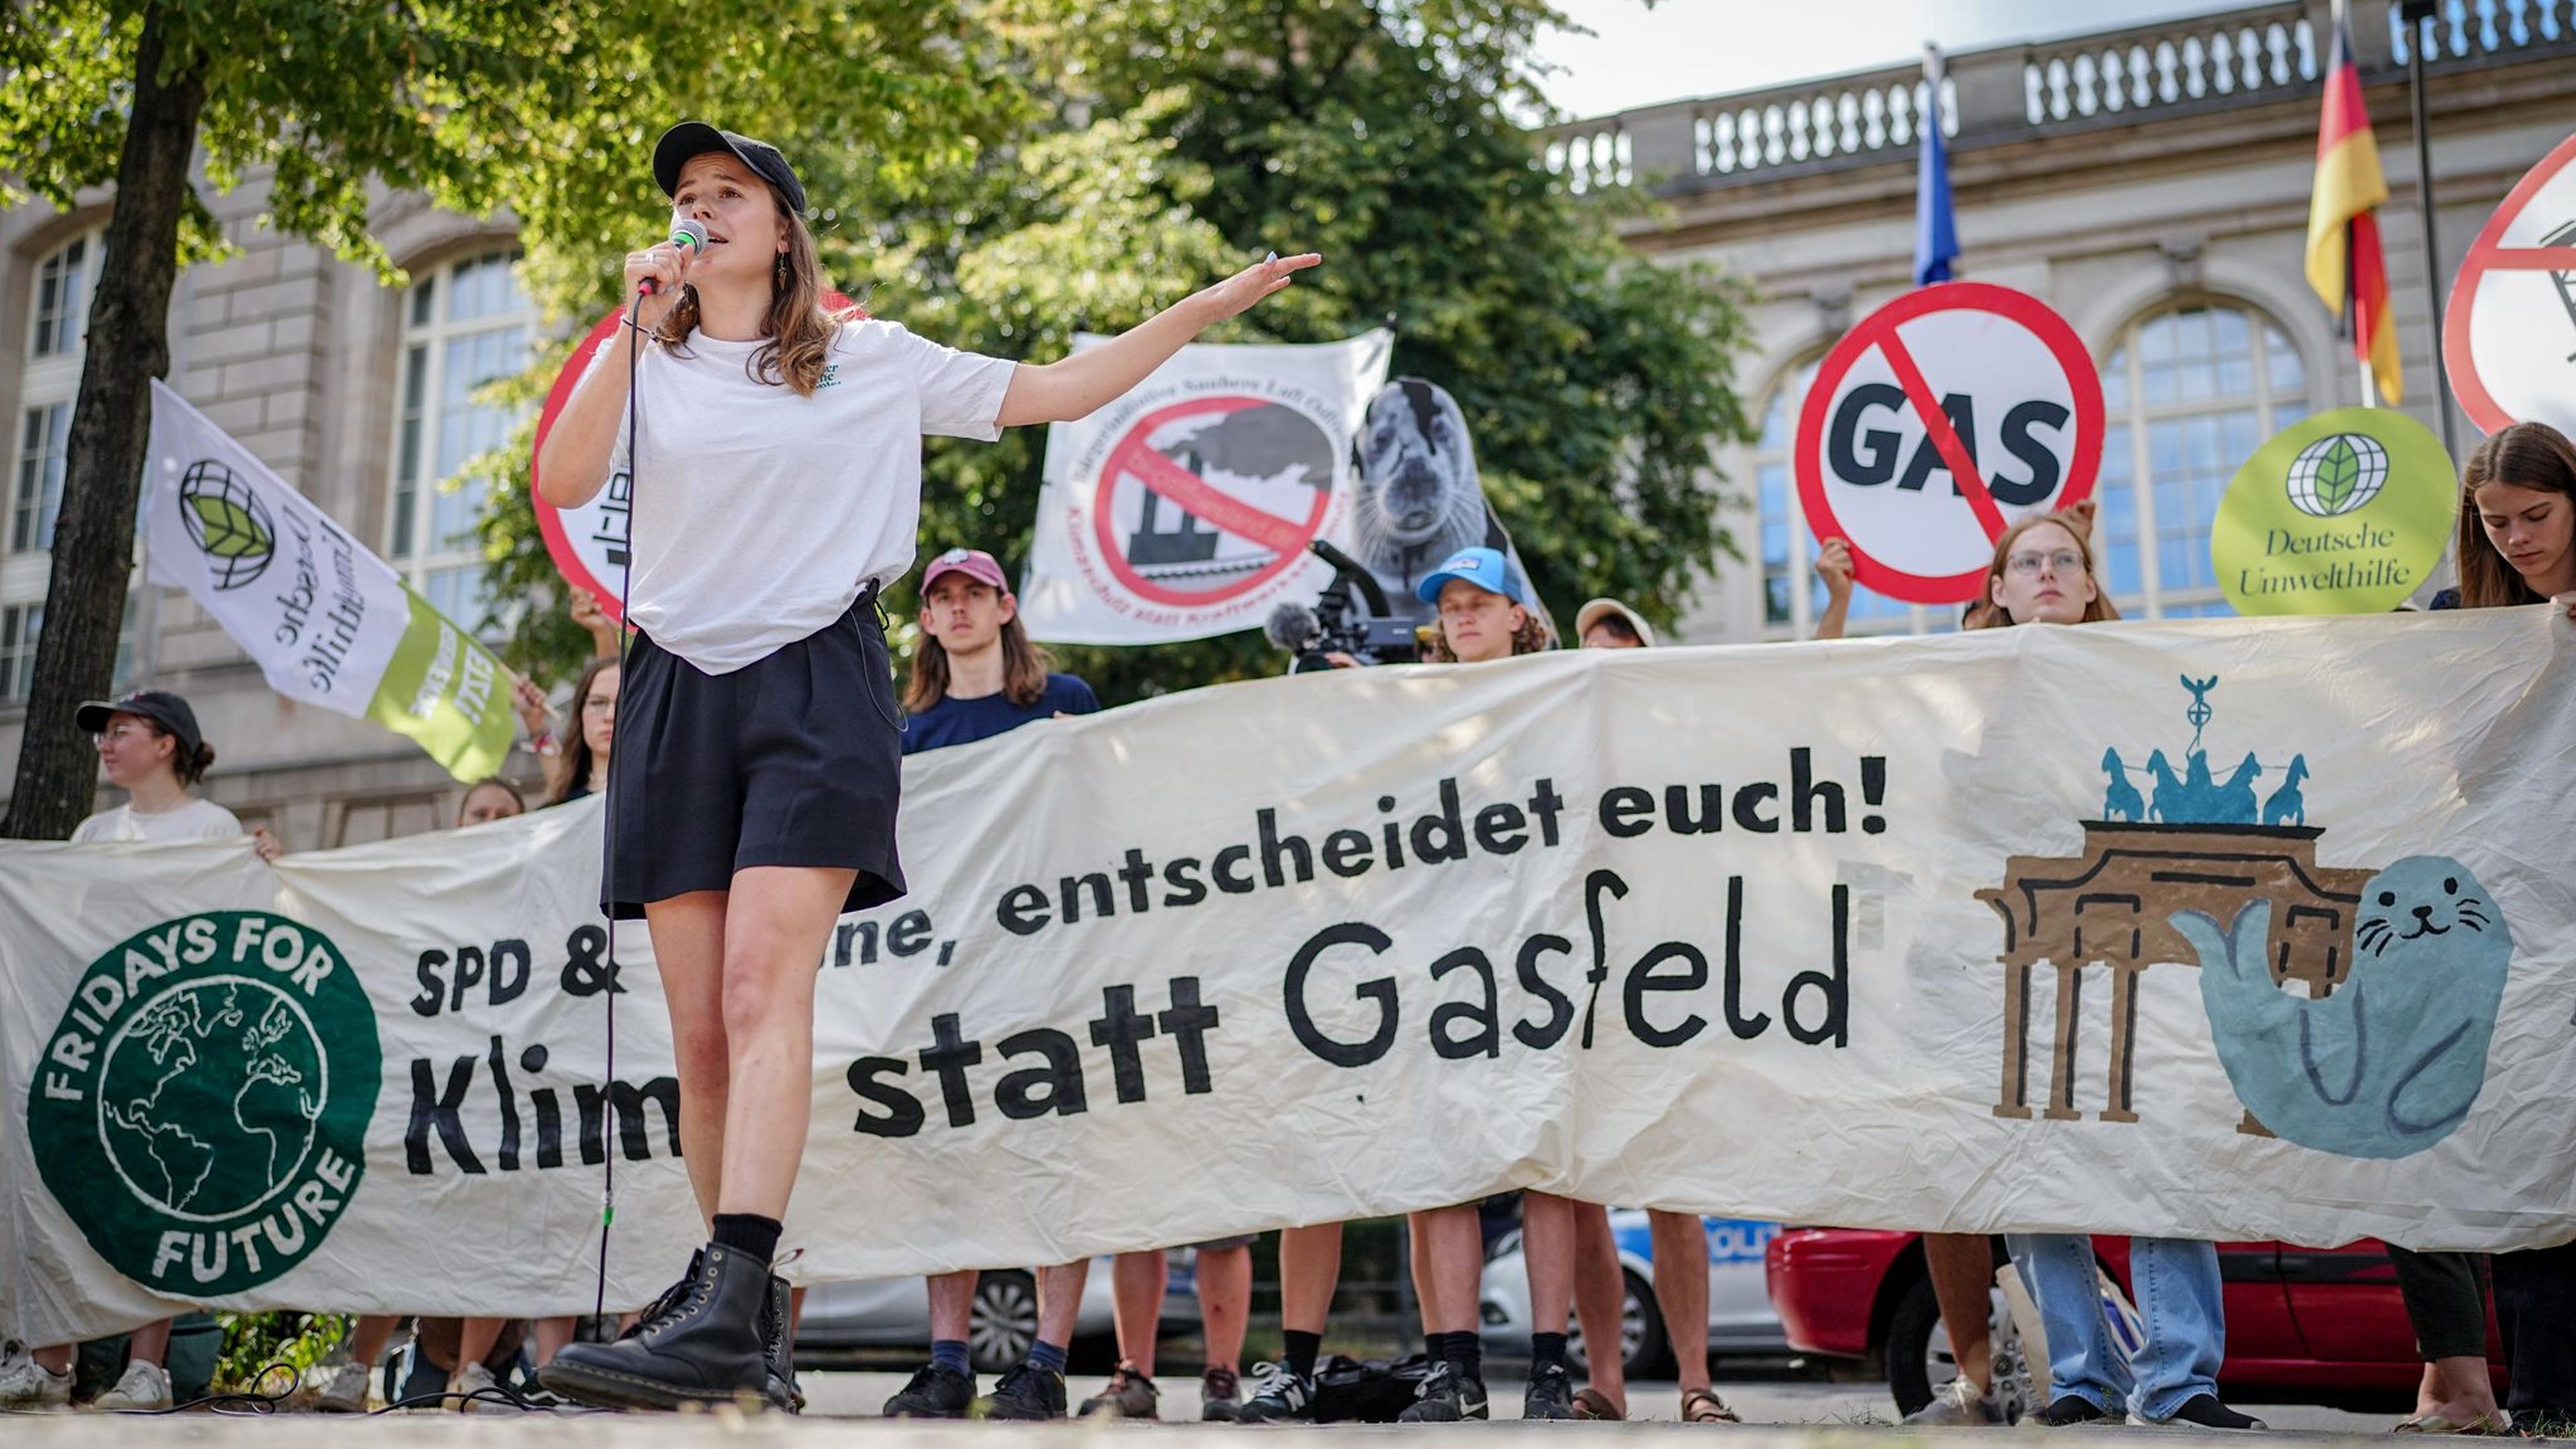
329, 622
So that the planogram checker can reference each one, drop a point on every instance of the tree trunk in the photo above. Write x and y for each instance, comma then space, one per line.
128, 346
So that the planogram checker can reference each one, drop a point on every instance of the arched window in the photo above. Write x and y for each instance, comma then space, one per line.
2189, 392
1792, 596
465, 324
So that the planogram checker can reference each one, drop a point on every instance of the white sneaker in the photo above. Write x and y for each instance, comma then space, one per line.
472, 1379
338, 1387
144, 1386
27, 1384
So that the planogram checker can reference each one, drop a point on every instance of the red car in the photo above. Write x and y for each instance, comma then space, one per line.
2304, 1325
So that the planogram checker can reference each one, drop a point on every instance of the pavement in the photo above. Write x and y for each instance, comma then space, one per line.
1797, 1415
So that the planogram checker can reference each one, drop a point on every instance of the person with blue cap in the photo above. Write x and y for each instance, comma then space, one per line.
1486, 611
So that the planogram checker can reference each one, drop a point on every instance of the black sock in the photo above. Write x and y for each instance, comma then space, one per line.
749, 1234
1547, 1350
1435, 1347
1466, 1354
1298, 1349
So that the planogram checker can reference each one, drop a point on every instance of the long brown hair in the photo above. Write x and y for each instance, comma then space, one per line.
1024, 668
574, 769
1987, 614
799, 331
2527, 455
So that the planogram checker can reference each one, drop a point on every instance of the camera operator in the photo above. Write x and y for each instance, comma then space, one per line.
1349, 626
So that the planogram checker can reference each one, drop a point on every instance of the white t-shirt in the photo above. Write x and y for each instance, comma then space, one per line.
762, 514
196, 820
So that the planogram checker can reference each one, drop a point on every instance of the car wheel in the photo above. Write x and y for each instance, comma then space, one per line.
1642, 1349
1920, 1360
1003, 1321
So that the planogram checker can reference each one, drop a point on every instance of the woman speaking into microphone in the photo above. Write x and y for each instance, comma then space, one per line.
776, 448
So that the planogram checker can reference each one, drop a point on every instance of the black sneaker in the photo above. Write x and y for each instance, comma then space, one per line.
2202, 1411
934, 1393
1446, 1398
1220, 1395
1024, 1391
1130, 1395
1550, 1394
1284, 1397
2069, 1410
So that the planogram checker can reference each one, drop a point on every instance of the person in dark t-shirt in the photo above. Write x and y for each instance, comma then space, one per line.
976, 674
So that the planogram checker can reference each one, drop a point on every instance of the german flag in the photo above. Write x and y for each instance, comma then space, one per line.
2344, 259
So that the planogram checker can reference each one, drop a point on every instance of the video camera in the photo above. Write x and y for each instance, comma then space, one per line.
1349, 617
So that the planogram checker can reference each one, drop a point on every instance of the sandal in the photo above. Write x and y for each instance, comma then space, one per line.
2484, 1425
1703, 1406
1594, 1404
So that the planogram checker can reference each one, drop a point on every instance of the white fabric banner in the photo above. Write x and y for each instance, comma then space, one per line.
1977, 932
1183, 509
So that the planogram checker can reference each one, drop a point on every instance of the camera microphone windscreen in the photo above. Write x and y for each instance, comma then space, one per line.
1291, 626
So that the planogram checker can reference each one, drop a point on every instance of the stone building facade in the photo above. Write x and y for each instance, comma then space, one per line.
2151, 184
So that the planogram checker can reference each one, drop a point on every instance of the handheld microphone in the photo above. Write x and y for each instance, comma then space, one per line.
688, 234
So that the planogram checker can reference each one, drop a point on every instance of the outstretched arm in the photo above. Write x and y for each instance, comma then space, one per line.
1075, 386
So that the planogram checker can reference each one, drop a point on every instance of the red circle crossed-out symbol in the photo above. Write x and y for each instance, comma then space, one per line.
1879, 332
1135, 456
2489, 254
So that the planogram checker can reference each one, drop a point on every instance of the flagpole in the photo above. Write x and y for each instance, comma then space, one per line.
2415, 13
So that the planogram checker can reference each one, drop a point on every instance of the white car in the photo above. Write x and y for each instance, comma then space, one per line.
895, 1313
1740, 1319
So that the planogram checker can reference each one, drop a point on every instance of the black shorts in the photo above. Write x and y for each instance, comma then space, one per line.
794, 760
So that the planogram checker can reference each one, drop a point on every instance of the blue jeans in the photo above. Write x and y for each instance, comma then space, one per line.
2176, 1283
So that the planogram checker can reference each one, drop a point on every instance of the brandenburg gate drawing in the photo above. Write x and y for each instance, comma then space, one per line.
2110, 906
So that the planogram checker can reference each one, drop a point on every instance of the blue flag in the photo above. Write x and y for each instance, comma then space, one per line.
1936, 236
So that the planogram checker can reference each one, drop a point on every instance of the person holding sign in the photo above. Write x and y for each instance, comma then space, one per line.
2517, 541
2043, 573
2517, 546
775, 449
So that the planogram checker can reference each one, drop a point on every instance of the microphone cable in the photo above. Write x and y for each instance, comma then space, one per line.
608, 808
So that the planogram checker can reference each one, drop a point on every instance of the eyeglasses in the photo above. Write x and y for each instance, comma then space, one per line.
2028, 565
124, 732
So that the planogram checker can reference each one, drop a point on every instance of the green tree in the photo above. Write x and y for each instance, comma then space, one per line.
1164, 142
544, 106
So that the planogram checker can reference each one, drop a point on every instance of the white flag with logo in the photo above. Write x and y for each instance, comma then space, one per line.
329, 622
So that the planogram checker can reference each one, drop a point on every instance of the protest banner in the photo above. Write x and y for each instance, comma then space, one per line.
1184, 509
1980, 386
328, 621
1880, 934
2346, 512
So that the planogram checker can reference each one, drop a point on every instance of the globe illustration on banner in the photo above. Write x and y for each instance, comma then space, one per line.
2337, 474
227, 522
209, 1096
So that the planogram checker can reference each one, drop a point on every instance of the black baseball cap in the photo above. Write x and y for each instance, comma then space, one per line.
157, 705
691, 139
